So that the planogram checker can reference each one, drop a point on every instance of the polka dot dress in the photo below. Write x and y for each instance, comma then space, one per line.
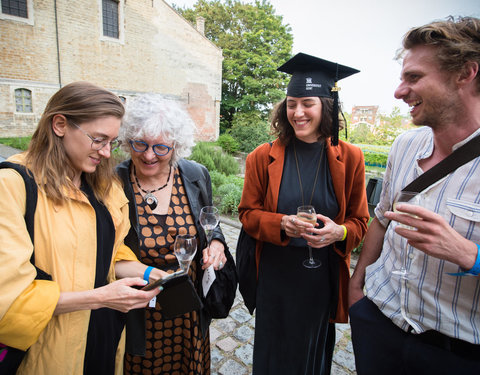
173, 346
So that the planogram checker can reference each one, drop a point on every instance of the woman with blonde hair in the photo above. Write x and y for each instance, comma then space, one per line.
72, 323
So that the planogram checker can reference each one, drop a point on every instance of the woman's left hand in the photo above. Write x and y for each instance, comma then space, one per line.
321, 237
215, 254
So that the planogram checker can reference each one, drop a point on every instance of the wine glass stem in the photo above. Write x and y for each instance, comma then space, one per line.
310, 255
209, 238
405, 261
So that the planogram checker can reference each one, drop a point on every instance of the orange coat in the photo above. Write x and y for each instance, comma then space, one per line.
259, 217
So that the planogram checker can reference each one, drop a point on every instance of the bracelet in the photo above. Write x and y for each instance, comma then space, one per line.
475, 270
344, 232
146, 275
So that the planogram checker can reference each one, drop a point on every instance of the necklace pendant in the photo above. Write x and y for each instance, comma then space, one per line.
151, 200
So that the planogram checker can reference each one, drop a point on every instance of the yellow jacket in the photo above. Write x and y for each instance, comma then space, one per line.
65, 247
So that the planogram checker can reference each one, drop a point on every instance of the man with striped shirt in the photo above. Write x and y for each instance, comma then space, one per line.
429, 322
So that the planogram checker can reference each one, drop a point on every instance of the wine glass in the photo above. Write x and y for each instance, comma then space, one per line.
209, 219
409, 197
307, 214
185, 248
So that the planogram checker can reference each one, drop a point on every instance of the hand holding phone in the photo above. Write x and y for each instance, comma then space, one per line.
163, 280
178, 296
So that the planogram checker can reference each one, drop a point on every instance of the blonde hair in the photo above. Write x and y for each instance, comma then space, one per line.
46, 157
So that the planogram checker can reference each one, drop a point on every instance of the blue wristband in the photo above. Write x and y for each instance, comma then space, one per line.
146, 275
475, 270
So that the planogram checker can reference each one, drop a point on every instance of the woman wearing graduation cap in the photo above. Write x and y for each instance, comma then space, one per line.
306, 165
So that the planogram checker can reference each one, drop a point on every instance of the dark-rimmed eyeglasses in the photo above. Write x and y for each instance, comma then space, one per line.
158, 149
99, 143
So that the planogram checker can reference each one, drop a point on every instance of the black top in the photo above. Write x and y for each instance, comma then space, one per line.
309, 156
292, 301
106, 325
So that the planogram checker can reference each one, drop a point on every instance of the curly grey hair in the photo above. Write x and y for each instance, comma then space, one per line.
152, 116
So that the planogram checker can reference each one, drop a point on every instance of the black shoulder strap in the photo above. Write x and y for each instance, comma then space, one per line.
31, 193
460, 156
31, 205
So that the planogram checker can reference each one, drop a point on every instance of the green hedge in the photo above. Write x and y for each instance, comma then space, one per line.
378, 159
213, 158
226, 185
20, 143
228, 144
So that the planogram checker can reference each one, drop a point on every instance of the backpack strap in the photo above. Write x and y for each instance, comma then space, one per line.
31, 191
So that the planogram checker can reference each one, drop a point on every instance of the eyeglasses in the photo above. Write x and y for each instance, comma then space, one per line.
99, 143
158, 149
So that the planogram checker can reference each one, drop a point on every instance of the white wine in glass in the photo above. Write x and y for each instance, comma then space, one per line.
409, 198
308, 214
185, 248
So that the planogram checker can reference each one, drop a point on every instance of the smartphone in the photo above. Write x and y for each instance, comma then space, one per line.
163, 280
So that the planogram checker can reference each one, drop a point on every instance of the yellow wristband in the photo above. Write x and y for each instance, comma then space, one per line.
344, 232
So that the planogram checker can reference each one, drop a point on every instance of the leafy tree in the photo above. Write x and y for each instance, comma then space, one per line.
249, 130
254, 41
361, 134
390, 127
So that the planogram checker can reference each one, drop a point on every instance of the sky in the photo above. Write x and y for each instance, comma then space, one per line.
363, 34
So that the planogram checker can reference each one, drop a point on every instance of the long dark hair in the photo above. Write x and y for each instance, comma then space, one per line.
284, 131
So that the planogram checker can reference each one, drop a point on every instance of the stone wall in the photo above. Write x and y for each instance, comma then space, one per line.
157, 51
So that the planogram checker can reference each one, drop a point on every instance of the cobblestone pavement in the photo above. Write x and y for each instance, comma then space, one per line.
232, 338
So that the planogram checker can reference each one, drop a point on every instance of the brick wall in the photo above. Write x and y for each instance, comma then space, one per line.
158, 51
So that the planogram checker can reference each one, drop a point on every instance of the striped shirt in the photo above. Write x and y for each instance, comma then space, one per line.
432, 299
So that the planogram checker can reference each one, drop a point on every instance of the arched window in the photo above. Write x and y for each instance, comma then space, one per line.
23, 100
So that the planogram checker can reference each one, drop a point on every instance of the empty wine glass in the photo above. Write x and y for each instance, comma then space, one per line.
185, 248
307, 214
408, 197
209, 219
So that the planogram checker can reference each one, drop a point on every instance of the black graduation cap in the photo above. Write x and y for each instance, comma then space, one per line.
312, 76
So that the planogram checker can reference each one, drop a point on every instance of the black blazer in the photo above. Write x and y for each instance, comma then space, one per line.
198, 188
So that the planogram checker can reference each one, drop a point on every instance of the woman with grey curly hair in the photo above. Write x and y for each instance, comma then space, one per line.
166, 193
151, 115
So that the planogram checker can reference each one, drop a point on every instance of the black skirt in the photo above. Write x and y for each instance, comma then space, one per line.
292, 332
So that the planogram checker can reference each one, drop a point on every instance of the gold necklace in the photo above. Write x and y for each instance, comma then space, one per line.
300, 179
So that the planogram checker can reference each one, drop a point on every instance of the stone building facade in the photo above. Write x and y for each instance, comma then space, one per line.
364, 114
128, 47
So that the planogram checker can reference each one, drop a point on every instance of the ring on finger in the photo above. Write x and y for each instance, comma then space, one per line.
292, 219
220, 265
212, 256
322, 239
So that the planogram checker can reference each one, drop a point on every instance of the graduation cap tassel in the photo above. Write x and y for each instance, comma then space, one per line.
335, 125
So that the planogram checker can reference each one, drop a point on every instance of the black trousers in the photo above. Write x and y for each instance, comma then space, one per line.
381, 347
